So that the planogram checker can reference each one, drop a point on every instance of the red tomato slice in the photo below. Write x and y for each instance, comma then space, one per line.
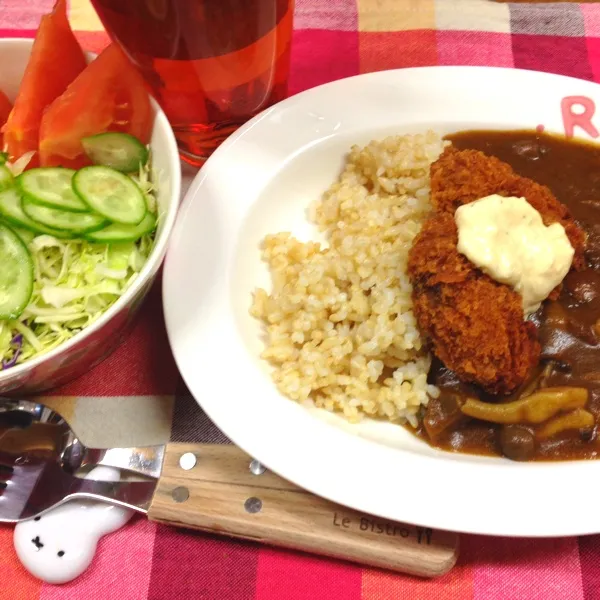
56, 59
5, 108
110, 95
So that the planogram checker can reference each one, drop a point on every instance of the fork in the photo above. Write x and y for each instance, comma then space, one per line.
32, 485
213, 488
39, 455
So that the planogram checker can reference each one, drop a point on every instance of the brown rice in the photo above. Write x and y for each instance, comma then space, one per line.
339, 322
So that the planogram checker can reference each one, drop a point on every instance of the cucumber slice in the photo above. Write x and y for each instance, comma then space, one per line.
111, 194
12, 210
62, 219
6, 178
51, 186
25, 234
16, 274
123, 233
119, 151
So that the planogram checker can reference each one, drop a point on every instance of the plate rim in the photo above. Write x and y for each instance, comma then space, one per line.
292, 469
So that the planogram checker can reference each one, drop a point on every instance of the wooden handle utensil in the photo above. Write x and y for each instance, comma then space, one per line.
219, 489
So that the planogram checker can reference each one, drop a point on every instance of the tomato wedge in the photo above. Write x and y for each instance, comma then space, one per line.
110, 95
56, 59
5, 108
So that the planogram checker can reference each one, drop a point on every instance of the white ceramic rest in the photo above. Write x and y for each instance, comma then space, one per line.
60, 545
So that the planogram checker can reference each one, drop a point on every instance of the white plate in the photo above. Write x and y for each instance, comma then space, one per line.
261, 181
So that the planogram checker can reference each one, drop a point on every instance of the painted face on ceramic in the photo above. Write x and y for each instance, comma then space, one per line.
59, 545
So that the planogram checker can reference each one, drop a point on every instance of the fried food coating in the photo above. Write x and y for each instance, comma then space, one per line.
462, 176
476, 324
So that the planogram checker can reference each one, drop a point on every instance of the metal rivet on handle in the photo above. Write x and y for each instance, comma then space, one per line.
180, 494
257, 468
187, 461
253, 505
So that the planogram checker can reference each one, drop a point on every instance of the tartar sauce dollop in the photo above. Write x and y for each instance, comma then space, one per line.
506, 238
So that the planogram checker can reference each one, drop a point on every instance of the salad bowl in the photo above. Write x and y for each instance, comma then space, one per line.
53, 367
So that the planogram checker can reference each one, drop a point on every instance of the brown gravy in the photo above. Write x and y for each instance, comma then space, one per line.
567, 327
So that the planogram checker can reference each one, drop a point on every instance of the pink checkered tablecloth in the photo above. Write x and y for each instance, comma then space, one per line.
333, 39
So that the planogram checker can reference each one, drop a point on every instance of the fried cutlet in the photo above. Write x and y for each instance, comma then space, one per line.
462, 176
476, 324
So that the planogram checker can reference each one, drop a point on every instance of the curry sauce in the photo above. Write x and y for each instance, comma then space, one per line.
568, 328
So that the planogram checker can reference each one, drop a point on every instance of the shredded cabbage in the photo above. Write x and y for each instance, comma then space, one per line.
75, 282
5, 338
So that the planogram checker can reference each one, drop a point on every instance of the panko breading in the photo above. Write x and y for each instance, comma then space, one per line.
462, 176
476, 324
